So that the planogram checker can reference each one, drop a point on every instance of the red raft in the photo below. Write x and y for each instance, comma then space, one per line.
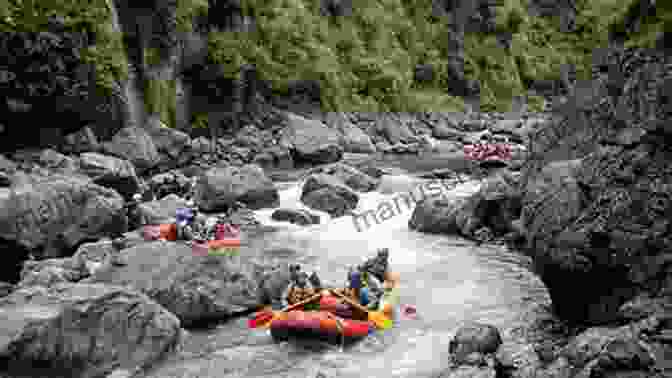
328, 324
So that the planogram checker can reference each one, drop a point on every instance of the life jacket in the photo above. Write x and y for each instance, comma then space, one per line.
184, 216
226, 231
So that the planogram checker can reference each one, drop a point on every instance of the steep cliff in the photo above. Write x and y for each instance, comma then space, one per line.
598, 226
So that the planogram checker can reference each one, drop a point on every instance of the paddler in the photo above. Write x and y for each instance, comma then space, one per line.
184, 218
390, 297
298, 288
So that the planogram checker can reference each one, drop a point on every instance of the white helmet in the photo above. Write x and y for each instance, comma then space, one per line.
190, 203
137, 197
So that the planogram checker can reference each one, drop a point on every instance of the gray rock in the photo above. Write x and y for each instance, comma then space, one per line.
394, 129
83, 330
193, 287
220, 188
135, 145
295, 216
52, 211
49, 272
476, 337
354, 140
80, 141
350, 176
111, 172
168, 141
312, 140
327, 193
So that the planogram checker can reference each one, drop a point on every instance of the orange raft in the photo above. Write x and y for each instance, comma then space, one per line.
334, 322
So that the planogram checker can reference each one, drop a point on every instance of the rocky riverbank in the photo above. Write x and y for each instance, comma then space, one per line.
63, 210
591, 208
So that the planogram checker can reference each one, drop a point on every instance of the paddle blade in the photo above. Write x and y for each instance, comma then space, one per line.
380, 320
261, 319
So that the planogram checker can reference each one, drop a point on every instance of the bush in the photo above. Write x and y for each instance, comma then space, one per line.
56, 32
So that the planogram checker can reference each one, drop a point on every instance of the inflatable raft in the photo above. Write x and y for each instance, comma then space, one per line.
334, 320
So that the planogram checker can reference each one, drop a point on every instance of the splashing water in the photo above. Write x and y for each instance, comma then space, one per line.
447, 279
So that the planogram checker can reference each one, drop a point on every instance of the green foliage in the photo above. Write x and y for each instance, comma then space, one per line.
535, 103
160, 99
106, 52
152, 56
188, 11
539, 49
652, 25
367, 60
363, 63
200, 121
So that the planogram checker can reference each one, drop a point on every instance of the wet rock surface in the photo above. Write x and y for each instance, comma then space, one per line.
295, 216
327, 193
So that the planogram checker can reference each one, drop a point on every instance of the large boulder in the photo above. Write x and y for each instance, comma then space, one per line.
83, 140
49, 272
135, 145
394, 129
444, 125
295, 216
553, 200
111, 172
354, 139
275, 156
173, 182
474, 338
169, 141
59, 212
438, 215
221, 187
83, 331
172, 145
194, 287
601, 351
327, 193
311, 140
487, 213
350, 176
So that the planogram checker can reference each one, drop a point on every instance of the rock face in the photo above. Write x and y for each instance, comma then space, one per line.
220, 188
327, 193
59, 212
311, 140
195, 288
350, 176
485, 214
83, 330
134, 145
111, 172
354, 140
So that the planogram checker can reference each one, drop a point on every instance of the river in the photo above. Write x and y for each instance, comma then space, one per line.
448, 279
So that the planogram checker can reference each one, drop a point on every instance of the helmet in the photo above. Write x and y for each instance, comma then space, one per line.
190, 203
137, 197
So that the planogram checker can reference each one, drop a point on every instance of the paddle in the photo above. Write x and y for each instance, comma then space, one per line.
263, 318
379, 319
